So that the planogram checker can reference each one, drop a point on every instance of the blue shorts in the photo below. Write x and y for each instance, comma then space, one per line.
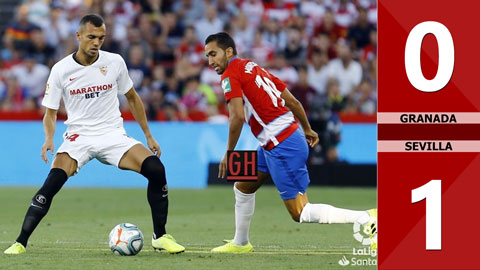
286, 163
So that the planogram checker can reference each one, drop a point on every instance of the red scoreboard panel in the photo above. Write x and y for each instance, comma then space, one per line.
428, 134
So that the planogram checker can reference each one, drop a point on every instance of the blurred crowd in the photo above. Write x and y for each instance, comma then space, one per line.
325, 50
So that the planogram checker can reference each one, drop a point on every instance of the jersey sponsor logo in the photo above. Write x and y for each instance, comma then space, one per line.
47, 88
91, 89
103, 70
72, 79
226, 85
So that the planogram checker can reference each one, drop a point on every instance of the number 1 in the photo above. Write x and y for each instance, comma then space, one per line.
432, 191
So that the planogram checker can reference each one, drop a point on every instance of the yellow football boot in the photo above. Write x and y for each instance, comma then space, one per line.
230, 247
15, 248
168, 243
371, 228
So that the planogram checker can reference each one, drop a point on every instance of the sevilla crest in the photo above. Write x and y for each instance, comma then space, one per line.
103, 70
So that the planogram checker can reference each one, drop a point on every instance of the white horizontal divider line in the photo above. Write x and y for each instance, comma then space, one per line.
428, 146
444, 117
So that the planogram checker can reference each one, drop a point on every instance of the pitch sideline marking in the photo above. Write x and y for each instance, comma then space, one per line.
276, 252
197, 249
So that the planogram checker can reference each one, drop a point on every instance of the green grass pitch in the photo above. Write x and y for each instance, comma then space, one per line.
74, 235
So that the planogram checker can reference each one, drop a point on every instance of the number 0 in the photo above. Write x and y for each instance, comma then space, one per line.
432, 191
446, 56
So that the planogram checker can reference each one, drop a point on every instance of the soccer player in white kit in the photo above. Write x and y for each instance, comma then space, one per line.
88, 81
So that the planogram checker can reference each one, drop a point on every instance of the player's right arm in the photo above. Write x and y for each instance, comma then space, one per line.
51, 102
49, 121
297, 109
236, 119
232, 88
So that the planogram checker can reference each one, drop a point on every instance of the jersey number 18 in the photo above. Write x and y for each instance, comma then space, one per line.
270, 88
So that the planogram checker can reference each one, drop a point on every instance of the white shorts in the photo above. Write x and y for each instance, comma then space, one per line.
108, 148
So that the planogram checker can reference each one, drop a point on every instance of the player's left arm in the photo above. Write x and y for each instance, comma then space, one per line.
297, 109
136, 107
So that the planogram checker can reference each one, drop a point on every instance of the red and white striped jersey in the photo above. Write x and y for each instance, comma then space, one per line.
265, 112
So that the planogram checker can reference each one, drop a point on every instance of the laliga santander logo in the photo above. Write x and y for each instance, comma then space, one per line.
360, 235
344, 261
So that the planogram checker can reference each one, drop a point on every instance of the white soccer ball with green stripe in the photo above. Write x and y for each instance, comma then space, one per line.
126, 239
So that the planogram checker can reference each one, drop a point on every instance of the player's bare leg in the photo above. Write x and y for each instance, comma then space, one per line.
253, 186
63, 167
66, 163
295, 206
132, 160
302, 211
141, 160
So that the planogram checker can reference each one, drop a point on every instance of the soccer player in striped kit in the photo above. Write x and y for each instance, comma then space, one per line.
262, 100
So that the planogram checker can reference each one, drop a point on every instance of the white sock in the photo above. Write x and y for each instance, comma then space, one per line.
324, 213
244, 208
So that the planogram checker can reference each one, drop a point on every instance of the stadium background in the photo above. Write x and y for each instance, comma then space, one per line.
162, 42
301, 42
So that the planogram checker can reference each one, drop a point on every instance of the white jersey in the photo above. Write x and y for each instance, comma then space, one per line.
89, 92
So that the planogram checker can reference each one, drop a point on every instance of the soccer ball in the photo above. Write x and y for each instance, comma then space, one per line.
126, 239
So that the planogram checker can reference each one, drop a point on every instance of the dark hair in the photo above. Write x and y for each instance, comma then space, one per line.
223, 40
94, 19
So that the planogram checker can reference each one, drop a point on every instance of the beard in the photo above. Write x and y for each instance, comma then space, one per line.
222, 69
